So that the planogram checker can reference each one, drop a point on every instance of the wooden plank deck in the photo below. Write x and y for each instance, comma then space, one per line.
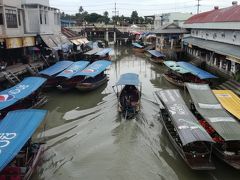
20, 69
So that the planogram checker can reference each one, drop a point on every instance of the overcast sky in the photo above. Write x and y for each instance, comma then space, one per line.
143, 7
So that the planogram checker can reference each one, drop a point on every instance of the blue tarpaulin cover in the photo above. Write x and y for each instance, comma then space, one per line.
56, 68
104, 52
25, 88
137, 45
196, 71
74, 68
156, 53
128, 79
15, 130
94, 69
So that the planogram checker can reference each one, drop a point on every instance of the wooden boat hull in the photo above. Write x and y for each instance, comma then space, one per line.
139, 50
232, 160
198, 161
156, 60
19, 171
171, 80
132, 107
91, 86
28, 102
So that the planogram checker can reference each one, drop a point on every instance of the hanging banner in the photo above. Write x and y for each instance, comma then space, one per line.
13, 43
29, 41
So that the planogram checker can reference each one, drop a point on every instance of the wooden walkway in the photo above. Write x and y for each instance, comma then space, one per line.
20, 69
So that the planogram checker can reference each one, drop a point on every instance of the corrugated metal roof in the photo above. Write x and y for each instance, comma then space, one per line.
229, 14
217, 47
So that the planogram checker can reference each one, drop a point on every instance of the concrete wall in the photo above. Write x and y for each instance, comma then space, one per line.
42, 2
225, 36
13, 3
32, 18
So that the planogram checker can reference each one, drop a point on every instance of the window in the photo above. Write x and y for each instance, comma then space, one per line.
214, 35
19, 18
11, 18
223, 35
1, 19
45, 17
40, 17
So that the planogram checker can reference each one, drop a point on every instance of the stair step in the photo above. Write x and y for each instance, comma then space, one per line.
234, 82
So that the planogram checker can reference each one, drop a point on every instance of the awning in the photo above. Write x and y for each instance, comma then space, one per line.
94, 69
196, 71
128, 79
56, 41
156, 53
15, 130
56, 68
229, 100
211, 110
103, 52
187, 126
74, 68
79, 41
217, 47
175, 67
137, 45
10, 96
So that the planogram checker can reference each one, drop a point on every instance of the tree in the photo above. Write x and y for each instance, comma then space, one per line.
105, 14
134, 17
80, 10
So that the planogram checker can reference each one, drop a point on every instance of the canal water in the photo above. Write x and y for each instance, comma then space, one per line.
87, 139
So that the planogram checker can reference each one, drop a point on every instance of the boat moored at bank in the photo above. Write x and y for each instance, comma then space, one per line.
26, 94
67, 79
188, 137
183, 72
51, 72
19, 155
220, 125
93, 75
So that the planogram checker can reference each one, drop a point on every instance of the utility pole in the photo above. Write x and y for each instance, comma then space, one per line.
198, 6
115, 14
115, 18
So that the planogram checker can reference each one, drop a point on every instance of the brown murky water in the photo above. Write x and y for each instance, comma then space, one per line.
87, 139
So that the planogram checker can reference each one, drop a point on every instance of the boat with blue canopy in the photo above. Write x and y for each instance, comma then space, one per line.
180, 72
26, 94
104, 54
156, 56
51, 72
129, 94
138, 47
66, 79
93, 75
19, 155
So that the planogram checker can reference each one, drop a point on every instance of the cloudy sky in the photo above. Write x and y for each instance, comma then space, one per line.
143, 7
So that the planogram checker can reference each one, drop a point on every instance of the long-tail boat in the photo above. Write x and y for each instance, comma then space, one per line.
156, 56
138, 48
66, 79
19, 155
183, 72
220, 125
26, 94
230, 101
93, 75
129, 94
104, 54
51, 72
187, 135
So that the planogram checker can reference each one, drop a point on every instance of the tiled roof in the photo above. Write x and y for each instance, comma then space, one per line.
229, 14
